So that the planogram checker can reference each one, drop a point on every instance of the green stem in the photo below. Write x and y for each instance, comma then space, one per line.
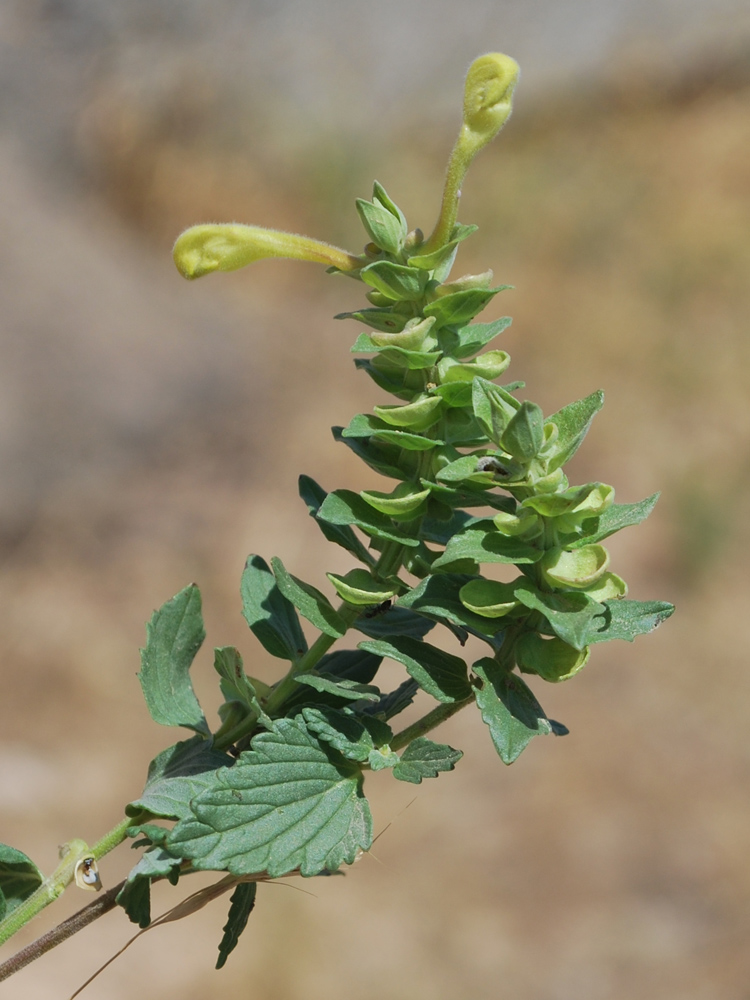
430, 721
56, 883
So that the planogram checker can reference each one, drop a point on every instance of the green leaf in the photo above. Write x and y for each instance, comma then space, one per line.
625, 619
483, 543
354, 736
344, 689
458, 308
173, 637
570, 615
19, 879
384, 320
379, 194
346, 507
287, 804
395, 281
411, 359
509, 709
309, 601
314, 495
465, 498
241, 906
235, 685
470, 339
437, 597
350, 664
381, 457
394, 621
366, 425
269, 614
425, 759
573, 422
440, 674
176, 775
524, 435
394, 702
618, 516
494, 407
135, 899
384, 229
389, 378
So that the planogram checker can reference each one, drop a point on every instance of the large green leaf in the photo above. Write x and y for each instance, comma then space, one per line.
425, 759
624, 619
176, 775
618, 516
287, 804
354, 736
314, 495
569, 614
393, 621
509, 709
309, 601
350, 664
483, 543
573, 422
173, 637
241, 906
269, 614
19, 878
347, 507
440, 674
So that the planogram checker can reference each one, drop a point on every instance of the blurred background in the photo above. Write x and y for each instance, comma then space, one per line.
151, 433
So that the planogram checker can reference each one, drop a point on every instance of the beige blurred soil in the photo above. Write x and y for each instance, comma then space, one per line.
152, 432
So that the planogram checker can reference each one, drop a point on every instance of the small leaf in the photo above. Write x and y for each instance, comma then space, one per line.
235, 685
382, 227
470, 339
135, 899
395, 281
346, 507
394, 702
173, 637
485, 544
440, 674
460, 307
176, 775
350, 664
241, 906
570, 615
287, 804
524, 435
269, 614
314, 495
509, 709
573, 422
625, 619
354, 736
417, 416
394, 621
380, 456
344, 689
379, 319
437, 597
310, 603
360, 588
551, 659
494, 407
19, 879
619, 516
425, 759
366, 425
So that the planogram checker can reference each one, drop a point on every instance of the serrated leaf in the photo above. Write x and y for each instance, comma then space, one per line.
241, 906
458, 308
176, 775
394, 621
395, 281
384, 320
440, 674
309, 601
625, 619
509, 709
485, 544
381, 457
269, 614
570, 615
354, 736
347, 507
345, 690
173, 637
314, 495
425, 759
366, 425
437, 597
618, 516
287, 804
19, 879
573, 422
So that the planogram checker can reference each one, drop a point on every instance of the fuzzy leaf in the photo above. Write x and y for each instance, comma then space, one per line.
19, 878
380, 456
509, 709
241, 906
350, 664
344, 690
618, 516
354, 736
458, 308
287, 804
570, 615
425, 759
395, 281
395, 701
269, 614
470, 339
625, 619
366, 425
383, 228
394, 621
346, 507
384, 320
176, 775
314, 495
135, 899
573, 422
173, 637
440, 674
437, 597
483, 543
310, 603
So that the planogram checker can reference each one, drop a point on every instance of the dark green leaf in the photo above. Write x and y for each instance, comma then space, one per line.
625, 619
460, 307
346, 507
173, 637
471, 497
343, 689
354, 736
391, 380
394, 621
425, 759
135, 899
440, 674
240, 908
384, 320
394, 702
310, 603
470, 339
366, 425
509, 709
437, 598
381, 457
287, 804
618, 516
441, 532
573, 422
176, 775
19, 878
269, 614
494, 407
395, 280
483, 543
524, 435
569, 614
314, 495
350, 664
412, 360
